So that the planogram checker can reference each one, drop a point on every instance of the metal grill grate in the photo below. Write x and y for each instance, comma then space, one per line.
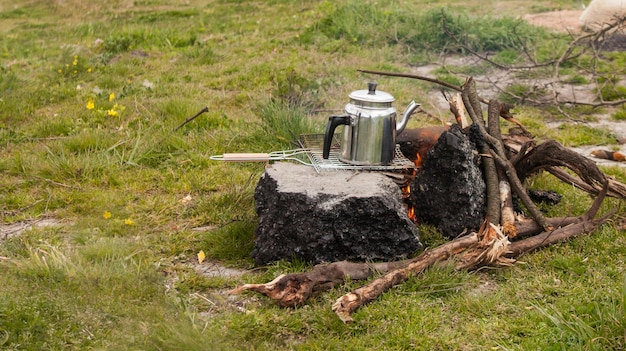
314, 143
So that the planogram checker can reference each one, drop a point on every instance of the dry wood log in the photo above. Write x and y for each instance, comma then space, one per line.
617, 189
519, 145
609, 155
414, 143
348, 303
291, 290
547, 238
507, 215
527, 227
581, 225
491, 173
458, 110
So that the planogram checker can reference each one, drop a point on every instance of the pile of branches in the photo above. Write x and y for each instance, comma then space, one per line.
507, 160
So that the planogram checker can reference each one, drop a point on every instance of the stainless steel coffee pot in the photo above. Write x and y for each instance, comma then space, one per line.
370, 129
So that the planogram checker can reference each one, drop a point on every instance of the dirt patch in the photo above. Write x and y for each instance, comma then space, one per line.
215, 269
485, 288
558, 21
15, 229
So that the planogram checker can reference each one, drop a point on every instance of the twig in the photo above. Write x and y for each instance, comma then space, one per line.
413, 76
55, 182
205, 109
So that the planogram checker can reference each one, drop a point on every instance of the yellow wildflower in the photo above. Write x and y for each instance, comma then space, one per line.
111, 97
107, 215
90, 105
112, 113
89, 70
129, 221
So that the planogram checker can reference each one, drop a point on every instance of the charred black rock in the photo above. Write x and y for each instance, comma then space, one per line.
449, 191
330, 216
548, 197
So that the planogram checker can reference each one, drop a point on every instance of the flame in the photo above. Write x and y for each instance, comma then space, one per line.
418, 161
411, 213
406, 193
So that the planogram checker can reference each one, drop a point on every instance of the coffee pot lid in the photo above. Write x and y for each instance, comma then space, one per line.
371, 95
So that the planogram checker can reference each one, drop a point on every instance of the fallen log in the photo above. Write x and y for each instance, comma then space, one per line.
292, 290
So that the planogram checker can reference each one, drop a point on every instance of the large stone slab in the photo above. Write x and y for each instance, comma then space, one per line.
330, 216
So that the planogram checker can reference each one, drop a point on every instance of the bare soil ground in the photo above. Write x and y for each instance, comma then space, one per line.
17, 228
559, 21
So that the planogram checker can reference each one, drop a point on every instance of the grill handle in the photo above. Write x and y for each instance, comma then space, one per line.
246, 157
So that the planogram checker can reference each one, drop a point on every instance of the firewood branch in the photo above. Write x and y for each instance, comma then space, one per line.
498, 153
348, 303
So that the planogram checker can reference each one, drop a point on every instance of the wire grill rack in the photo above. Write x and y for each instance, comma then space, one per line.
314, 143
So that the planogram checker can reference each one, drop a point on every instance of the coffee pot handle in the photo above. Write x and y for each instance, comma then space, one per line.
333, 122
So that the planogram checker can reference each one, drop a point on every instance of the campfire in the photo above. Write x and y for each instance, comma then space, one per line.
465, 182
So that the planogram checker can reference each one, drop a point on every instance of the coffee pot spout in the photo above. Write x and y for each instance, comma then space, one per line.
405, 116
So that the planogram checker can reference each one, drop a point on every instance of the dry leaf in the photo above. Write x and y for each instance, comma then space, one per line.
201, 256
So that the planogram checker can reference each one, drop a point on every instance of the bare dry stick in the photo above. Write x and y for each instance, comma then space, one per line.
505, 196
500, 157
205, 109
585, 224
616, 188
505, 111
413, 76
348, 303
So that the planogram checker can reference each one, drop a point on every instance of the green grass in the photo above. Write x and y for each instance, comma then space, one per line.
90, 96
